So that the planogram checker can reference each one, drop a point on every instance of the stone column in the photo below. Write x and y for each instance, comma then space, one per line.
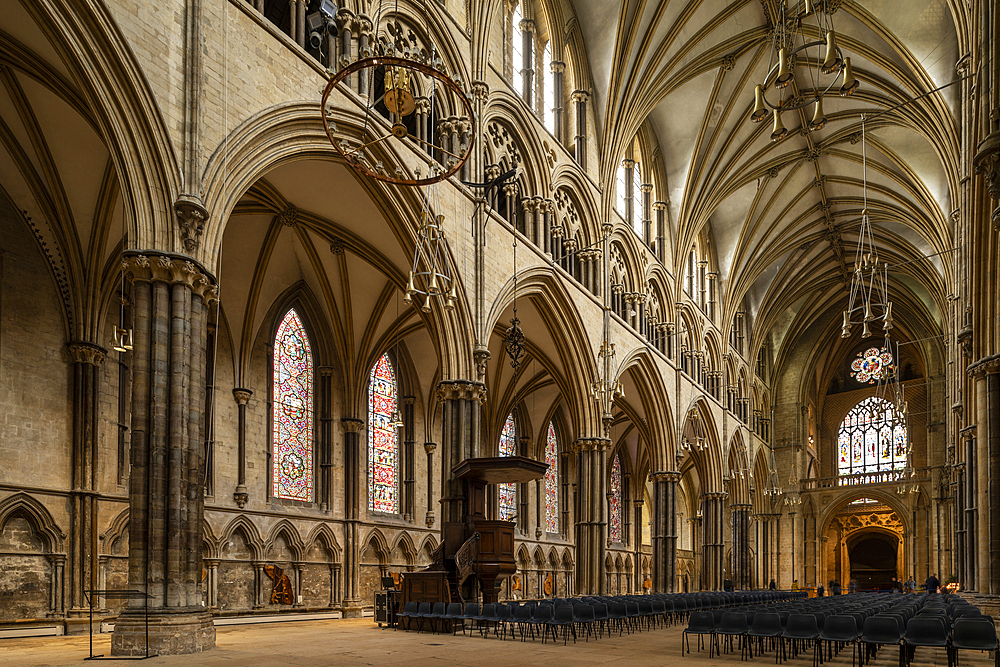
694, 523
527, 27
212, 582
665, 530
241, 495
429, 447
460, 426
580, 97
660, 211
559, 128
741, 546
408, 509
87, 361
345, 24
166, 495
713, 539
354, 473
986, 372
630, 193
647, 214
548, 213
564, 499
364, 28
968, 435
591, 515
324, 408
57, 600
637, 503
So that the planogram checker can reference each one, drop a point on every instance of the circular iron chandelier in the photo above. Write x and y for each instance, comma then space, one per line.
392, 106
791, 41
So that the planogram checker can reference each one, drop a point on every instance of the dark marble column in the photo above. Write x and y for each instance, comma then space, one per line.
665, 531
580, 97
741, 546
461, 401
87, 361
558, 97
354, 473
166, 496
591, 514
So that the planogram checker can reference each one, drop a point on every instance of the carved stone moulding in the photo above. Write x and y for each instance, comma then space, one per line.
155, 266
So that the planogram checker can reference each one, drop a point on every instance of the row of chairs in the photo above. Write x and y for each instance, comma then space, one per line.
590, 616
865, 624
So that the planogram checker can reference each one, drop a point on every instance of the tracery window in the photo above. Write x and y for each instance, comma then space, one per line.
508, 492
872, 438
552, 481
872, 365
615, 503
548, 85
292, 412
383, 438
518, 61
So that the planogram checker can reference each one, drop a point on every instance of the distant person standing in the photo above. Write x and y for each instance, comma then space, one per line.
820, 591
795, 584
911, 585
852, 586
772, 586
932, 583
835, 587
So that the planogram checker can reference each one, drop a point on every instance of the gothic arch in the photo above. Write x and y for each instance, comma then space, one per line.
286, 530
324, 537
376, 540
41, 520
250, 533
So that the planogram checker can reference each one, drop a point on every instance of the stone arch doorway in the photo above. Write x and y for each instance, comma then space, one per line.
874, 558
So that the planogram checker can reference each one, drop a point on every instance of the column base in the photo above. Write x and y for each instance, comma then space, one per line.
186, 630
352, 608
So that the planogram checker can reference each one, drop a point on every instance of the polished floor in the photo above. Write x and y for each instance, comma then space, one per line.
361, 642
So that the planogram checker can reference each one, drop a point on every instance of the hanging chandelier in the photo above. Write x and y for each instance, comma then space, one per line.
432, 277
410, 101
802, 39
869, 297
773, 487
697, 440
742, 467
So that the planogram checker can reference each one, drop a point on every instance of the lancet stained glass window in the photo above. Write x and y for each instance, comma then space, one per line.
383, 450
292, 412
615, 504
872, 365
872, 438
552, 481
508, 492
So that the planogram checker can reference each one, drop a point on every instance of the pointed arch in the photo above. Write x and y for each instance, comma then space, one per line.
292, 401
250, 534
323, 536
383, 437
287, 531
21, 504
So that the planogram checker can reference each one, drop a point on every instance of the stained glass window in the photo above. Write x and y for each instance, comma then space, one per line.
517, 45
872, 365
615, 504
552, 481
292, 412
383, 452
508, 492
872, 438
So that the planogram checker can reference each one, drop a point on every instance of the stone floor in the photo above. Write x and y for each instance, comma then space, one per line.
361, 642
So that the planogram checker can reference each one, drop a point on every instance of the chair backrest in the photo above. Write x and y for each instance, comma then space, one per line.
974, 632
927, 628
410, 607
543, 613
502, 612
490, 610
840, 625
881, 630
584, 613
472, 609
600, 610
766, 623
801, 625
522, 613
701, 620
439, 608
425, 608
454, 609
617, 610
734, 621
564, 613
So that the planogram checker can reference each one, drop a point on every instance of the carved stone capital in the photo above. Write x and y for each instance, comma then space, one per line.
985, 366
659, 206
429, 447
461, 389
191, 218
87, 353
580, 96
352, 425
665, 476
174, 269
628, 163
242, 396
480, 91
557, 66
240, 496
482, 357
646, 187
